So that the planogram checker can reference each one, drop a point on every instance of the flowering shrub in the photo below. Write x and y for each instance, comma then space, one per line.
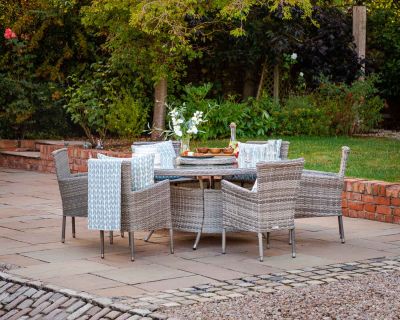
9, 34
185, 128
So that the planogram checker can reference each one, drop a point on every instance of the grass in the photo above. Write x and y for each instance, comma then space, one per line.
370, 158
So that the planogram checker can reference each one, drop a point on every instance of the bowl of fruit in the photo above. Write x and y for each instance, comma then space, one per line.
227, 150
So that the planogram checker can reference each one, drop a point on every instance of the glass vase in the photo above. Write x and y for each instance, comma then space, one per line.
185, 144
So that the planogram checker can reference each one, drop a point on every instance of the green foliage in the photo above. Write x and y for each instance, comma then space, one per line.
352, 108
127, 116
251, 117
88, 100
101, 100
300, 115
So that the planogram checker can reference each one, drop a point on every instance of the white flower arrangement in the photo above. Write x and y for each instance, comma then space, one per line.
185, 128
294, 56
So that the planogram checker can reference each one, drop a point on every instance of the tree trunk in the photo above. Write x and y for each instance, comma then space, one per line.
262, 80
160, 100
248, 85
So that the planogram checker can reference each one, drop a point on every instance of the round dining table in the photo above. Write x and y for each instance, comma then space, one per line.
210, 169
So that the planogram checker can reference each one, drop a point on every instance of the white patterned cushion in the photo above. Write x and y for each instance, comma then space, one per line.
142, 171
104, 194
165, 153
148, 149
105, 157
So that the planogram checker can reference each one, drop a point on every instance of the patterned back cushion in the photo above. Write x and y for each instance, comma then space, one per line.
103, 156
148, 149
164, 153
142, 166
142, 171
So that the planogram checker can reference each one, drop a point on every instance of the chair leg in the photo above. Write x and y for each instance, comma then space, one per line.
223, 240
132, 245
64, 222
267, 237
171, 240
147, 238
290, 238
73, 227
111, 237
102, 243
293, 240
196, 243
341, 229
122, 234
260, 246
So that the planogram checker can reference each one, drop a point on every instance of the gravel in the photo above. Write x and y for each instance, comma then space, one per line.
368, 297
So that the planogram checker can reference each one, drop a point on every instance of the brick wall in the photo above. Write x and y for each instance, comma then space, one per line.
78, 159
373, 200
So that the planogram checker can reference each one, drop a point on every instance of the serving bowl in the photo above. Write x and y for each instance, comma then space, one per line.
227, 150
202, 150
215, 150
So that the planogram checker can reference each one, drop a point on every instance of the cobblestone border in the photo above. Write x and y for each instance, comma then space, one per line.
24, 299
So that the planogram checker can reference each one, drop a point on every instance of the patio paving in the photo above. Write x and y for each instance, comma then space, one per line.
30, 227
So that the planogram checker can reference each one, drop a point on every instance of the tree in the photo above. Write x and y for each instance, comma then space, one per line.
154, 37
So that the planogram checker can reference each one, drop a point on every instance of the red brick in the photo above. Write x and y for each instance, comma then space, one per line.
344, 203
395, 202
353, 214
361, 214
359, 186
382, 200
370, 207
355, 196
370, 216
344, 194
389, 219
396, 219
393, 191
396, 212
380, 218
383, 209
382, 188
372, 187
345, 212
368, 198
355, 205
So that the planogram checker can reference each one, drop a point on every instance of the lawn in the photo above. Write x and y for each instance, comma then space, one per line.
370, 158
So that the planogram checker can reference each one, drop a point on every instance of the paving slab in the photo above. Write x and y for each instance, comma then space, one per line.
30, 226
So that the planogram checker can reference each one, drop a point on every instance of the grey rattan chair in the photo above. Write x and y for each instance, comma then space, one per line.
249, 178
321, 193
182, 212
73, 190
145, 210
270, 208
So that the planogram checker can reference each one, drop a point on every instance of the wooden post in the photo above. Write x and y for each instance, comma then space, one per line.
276, 83
360, 31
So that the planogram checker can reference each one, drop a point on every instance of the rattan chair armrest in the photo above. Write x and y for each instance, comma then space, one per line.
76, 185
153, 190
321, 174
80, 174
227, 186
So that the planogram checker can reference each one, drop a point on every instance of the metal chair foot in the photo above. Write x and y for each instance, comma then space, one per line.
196, 243
260, 246
73, 227
64, 222
102, 244
147, 238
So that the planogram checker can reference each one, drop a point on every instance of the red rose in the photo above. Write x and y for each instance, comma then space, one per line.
9, 34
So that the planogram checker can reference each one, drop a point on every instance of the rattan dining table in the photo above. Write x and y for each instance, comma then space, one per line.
199, 209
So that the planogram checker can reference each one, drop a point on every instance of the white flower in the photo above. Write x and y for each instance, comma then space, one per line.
293, 56
301, 74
